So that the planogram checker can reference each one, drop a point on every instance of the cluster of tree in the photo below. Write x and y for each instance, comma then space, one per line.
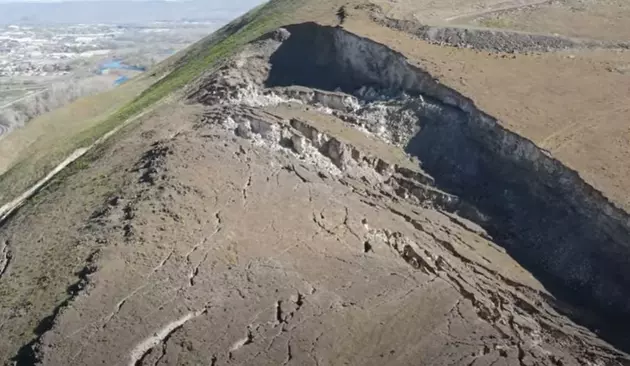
57, 95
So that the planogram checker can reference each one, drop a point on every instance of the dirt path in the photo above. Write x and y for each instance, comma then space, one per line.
509, 5
9, 208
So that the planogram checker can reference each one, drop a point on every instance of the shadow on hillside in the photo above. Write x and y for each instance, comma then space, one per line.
551, 233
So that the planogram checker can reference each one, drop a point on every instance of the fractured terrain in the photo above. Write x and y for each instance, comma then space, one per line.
319, 199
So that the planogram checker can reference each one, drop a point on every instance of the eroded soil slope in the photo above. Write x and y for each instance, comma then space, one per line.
346, 208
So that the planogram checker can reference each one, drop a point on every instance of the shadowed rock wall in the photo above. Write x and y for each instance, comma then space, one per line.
558, 226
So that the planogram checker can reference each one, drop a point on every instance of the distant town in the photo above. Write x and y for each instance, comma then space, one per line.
52, 53
45, 66
47, 51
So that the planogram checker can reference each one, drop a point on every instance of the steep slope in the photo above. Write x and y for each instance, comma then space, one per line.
314, 197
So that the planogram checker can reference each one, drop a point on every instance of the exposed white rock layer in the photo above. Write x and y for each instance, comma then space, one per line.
564, 230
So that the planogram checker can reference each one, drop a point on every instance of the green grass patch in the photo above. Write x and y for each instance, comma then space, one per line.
179, 71
199, 58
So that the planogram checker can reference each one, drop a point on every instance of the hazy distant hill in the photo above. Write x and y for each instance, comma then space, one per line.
119, 11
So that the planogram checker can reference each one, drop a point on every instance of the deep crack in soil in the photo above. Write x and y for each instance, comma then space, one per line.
27, 354
556, 225
312, 239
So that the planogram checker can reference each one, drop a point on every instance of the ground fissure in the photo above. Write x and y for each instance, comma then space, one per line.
558, 226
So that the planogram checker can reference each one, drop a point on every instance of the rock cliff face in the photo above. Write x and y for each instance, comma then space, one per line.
553, 222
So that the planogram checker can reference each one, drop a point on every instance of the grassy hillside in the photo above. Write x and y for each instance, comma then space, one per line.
82, 123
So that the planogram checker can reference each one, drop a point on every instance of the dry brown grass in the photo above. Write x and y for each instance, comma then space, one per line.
603, 20
574, 103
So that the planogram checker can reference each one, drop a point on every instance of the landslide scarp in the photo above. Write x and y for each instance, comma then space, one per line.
556, 225
327, 203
